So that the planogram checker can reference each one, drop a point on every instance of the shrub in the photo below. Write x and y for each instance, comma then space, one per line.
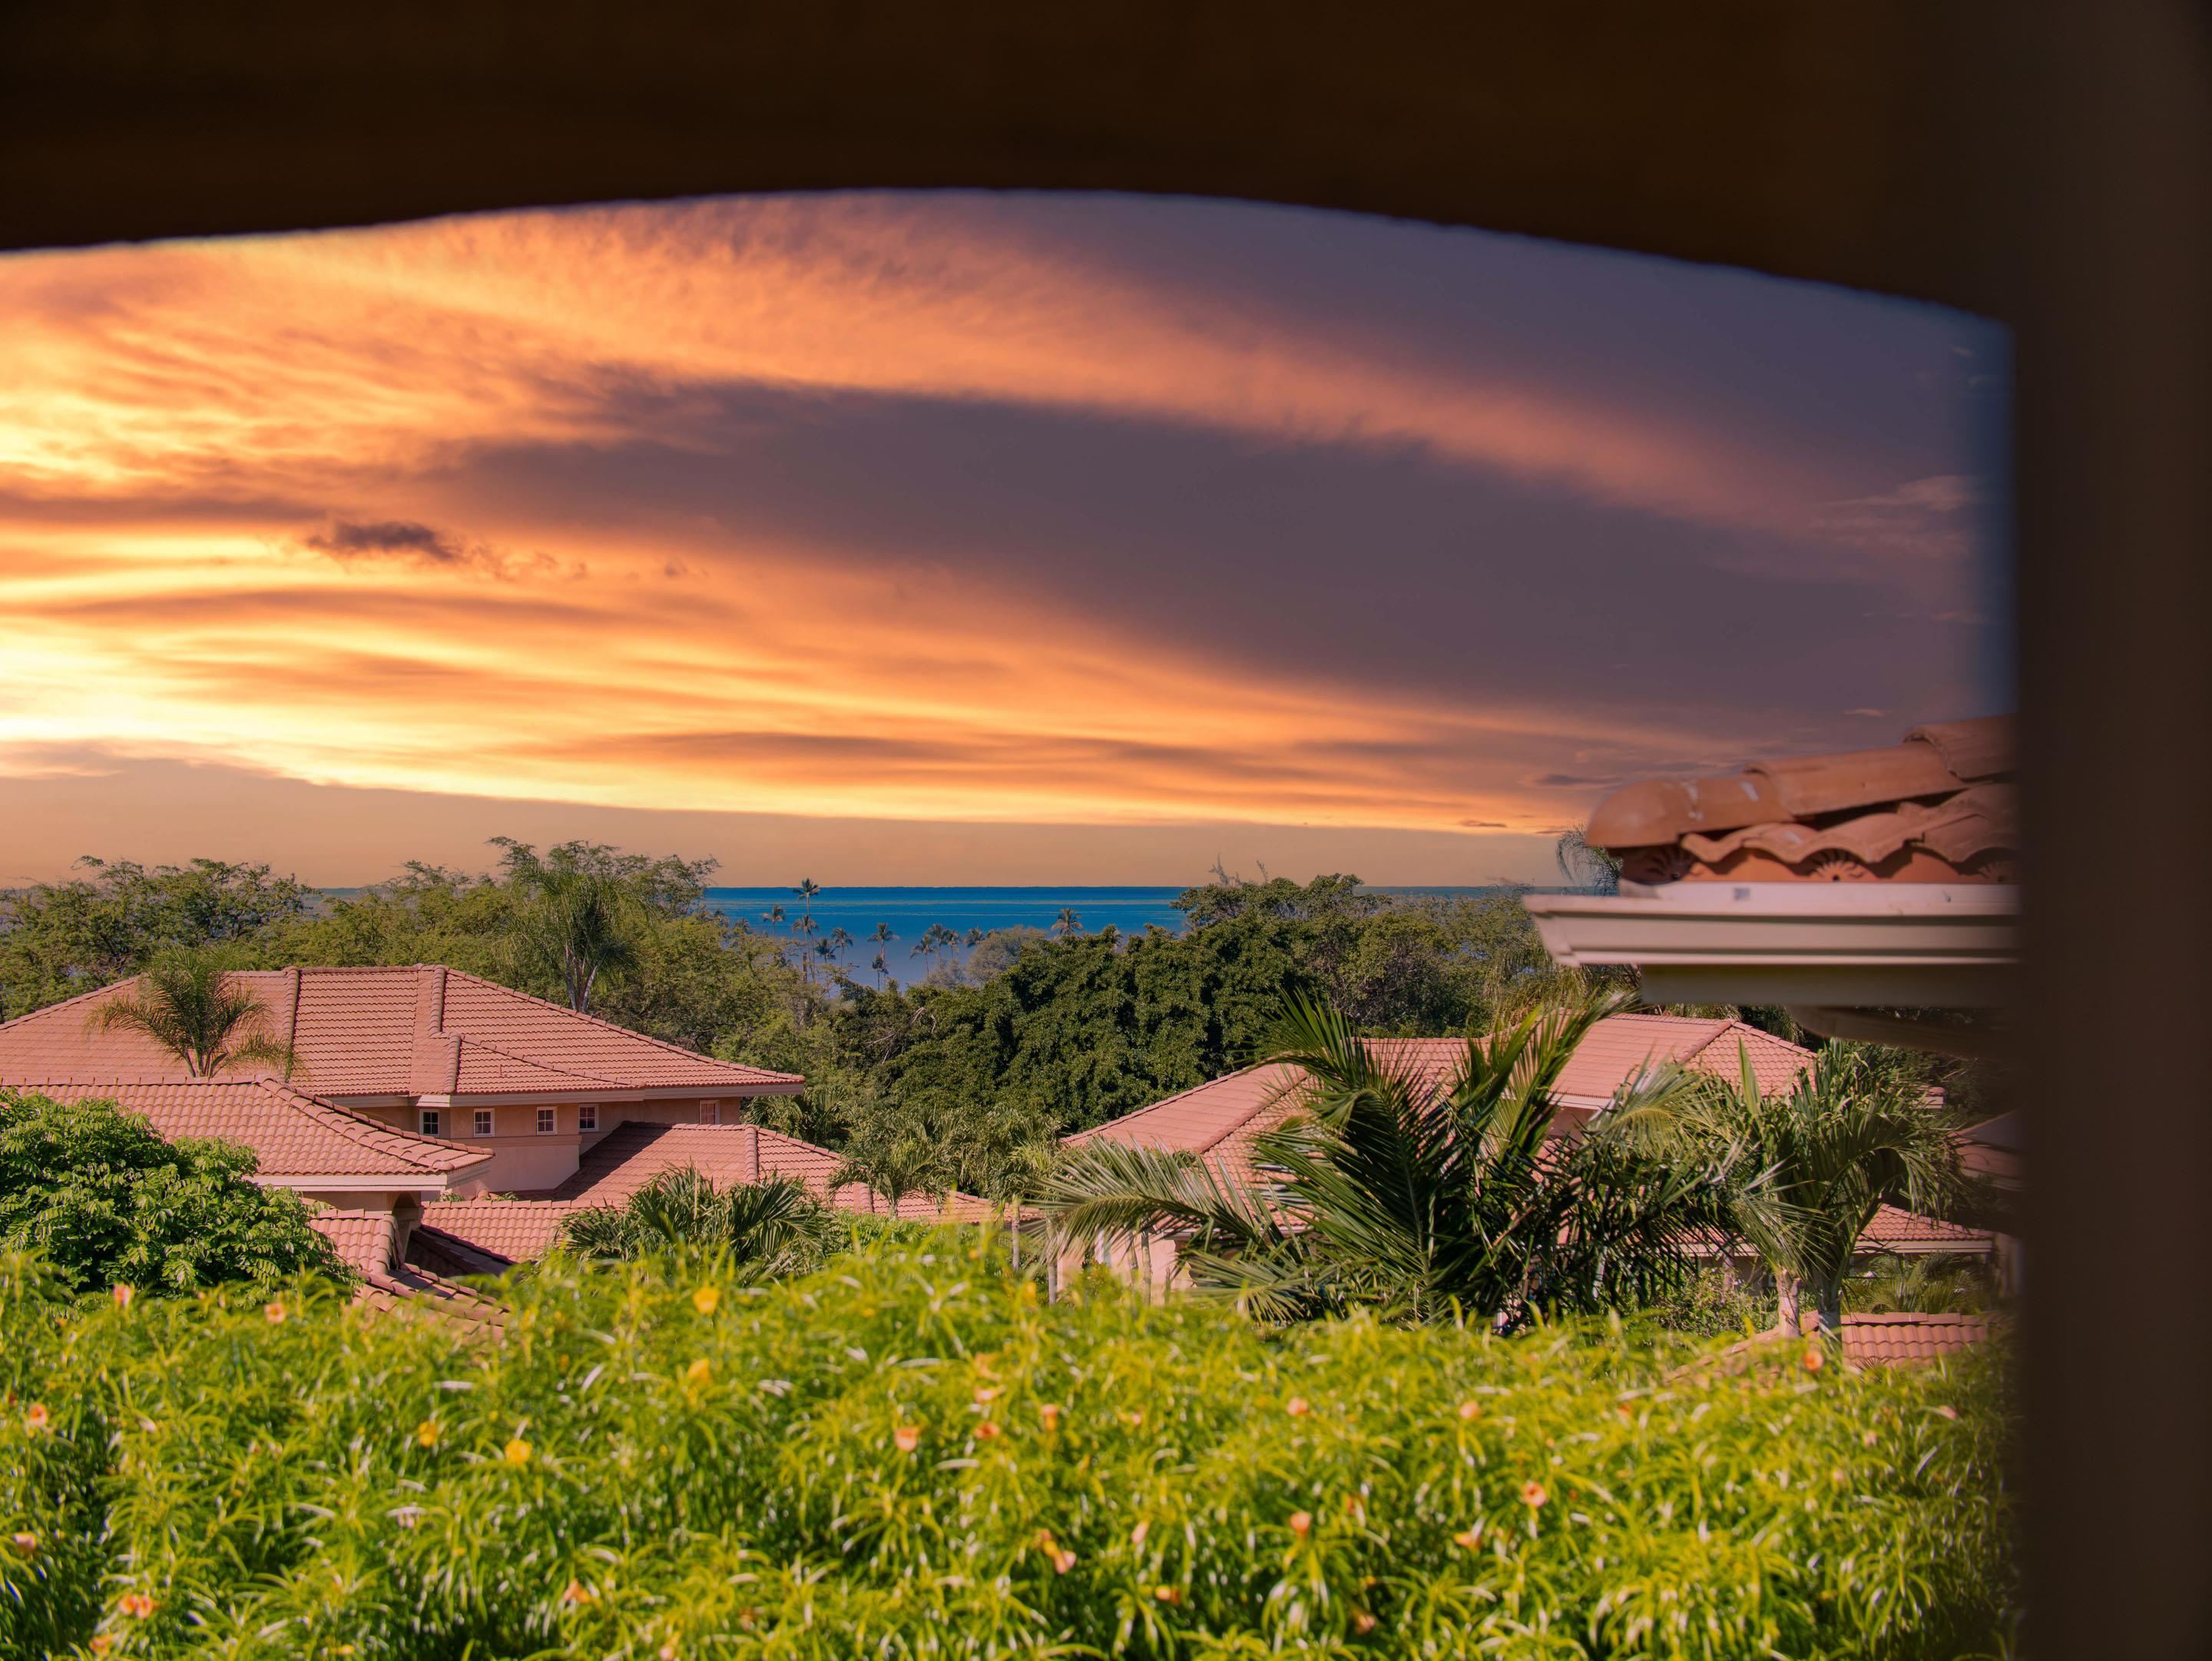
108, 1201
909, 1453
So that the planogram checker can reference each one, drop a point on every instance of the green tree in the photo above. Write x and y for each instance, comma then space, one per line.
582, 915
194, 1006
110, 1204
766, 1231
1810, 1166
1068, 923
1384, 1191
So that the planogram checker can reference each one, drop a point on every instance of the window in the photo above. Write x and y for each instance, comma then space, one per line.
483, 1122
545, 1122
430, 1121
588, 1116
710, 1112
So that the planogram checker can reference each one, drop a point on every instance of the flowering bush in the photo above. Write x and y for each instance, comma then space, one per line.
910, 1453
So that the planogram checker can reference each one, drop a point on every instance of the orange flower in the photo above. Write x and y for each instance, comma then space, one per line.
102, 1642
707, 1300
123, 1296
428, 1433
908, 1437
1468, 1539
698, 1372
35, 1418
27, 1544
1168, 1594
1302, 1524
1050, 1415
985, 1394
1131, 1417
1355, 1508
1469, 1408
1948, 1412
668, 1649
275, 1312
1061, 1559
1137, 1534
1868, 1438
1296, 1407
578, 1592
1814, 1361
136, 1604
985, 1431
1362, 1622
1533, 1494
517, 1452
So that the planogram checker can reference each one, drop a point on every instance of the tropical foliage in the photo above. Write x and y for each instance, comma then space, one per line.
763, 1232
111, 1203
1843, 1141
190, 1004
911, 1453
1386, 1191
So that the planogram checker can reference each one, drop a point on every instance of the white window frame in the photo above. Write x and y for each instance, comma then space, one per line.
483, 1122
427, 1121
588, 1116
548, 1121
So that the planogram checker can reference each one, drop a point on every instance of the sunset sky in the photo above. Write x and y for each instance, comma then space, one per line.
958, 538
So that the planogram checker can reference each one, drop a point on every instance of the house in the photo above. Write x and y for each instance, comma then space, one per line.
420, 1091
1219, 1121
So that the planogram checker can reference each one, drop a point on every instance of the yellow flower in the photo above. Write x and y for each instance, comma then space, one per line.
428, 1433
707, 1300
1061, 1559
1168, 1594
275, 1312
1533, 1494
1296, 1407
1050, 1415
1302, 1524
698, 1372
1469, 1408
517, 1452
907, 1437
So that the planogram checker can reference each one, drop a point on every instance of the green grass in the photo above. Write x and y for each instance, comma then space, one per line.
629, 1475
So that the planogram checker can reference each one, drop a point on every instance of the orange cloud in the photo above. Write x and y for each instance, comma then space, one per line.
316, 506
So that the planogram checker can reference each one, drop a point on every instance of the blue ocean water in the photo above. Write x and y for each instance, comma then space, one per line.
908, 911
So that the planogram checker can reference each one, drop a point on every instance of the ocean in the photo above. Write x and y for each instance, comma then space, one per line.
909, 911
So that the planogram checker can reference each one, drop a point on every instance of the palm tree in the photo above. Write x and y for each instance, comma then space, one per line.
828, 953
881, 934
807, 889
1829, 1153
934, 938
893, 1169
581, 922
191, 1005
881, 968
773, 915
839, 942
1067, 924
768, 1230
973, 939
1386, 1191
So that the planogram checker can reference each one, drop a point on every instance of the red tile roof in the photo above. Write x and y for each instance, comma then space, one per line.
362, 1239
1939, 807
398, 1031
294, 1136
1887, 1340
517, 1230
1895, 1230
1218, 1121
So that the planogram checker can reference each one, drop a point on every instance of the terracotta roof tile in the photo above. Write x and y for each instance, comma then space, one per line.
1220, 1120
362, 1239
421, 1030
1887, 1340
1895, 1229
516, 1230
1939, 807
293, 1135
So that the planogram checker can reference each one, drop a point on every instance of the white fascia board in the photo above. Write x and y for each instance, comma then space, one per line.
1843, 944
722, 1092
526, 1097
385, 1183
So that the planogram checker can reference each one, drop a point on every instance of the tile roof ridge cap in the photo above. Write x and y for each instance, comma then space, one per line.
467, 1042
615, 1027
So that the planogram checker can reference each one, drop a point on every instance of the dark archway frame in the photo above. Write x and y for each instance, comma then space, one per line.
2042, 163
